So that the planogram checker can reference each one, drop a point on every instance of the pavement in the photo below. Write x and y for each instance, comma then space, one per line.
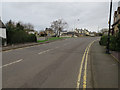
60, 64
116, 55
104, 68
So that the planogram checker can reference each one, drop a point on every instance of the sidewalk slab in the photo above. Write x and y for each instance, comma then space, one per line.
104, 68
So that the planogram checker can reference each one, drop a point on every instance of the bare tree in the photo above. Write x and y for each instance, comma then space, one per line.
28, 26
58, 26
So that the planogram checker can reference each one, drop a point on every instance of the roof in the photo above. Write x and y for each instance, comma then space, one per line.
2, 25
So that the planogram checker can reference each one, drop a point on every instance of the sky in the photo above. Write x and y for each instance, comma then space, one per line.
92, 15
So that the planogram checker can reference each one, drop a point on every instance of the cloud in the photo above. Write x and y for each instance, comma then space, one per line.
41, 14
58, 0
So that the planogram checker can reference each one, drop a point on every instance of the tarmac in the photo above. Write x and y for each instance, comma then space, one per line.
104, 68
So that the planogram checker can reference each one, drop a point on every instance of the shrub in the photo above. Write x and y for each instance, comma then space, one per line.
112, 43
32, 38
103, 40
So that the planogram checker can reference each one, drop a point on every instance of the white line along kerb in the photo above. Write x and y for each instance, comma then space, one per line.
11, 63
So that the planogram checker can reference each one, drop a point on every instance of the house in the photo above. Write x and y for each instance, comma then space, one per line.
92, 34
49, 32
79, 32
30, 31
116, 21
42, 33
71, 34
67, 34
2, 34
63, 33
82, 32
86, 32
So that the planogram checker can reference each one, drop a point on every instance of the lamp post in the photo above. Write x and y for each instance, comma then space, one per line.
108, 39
75, 26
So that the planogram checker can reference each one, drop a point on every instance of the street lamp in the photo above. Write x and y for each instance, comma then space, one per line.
108, 39
75, 26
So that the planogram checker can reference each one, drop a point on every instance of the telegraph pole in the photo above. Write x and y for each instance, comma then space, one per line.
108, 40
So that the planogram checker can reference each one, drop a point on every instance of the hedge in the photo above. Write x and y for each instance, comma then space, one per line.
114, 42
16, 33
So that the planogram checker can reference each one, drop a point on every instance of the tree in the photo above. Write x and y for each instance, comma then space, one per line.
10, 30
28, 26
19, 26
58, 26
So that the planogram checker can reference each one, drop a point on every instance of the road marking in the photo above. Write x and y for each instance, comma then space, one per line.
42, 52
45, 51
85, 70
11, 63
80, 71
84, 58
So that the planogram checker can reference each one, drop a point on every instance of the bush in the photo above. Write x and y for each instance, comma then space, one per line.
32, 38
113, 42
103, 40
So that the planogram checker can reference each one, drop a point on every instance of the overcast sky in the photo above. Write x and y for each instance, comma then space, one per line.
91, 15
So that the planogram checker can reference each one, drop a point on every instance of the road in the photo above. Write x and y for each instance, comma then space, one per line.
52, 65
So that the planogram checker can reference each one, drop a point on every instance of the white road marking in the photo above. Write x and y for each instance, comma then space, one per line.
42, 52
45, 51
11, 63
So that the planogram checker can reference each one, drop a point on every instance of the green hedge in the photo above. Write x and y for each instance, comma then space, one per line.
16, 33
114, 42
16, 37
103, 40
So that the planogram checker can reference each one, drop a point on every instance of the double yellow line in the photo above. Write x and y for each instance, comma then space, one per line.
84, 61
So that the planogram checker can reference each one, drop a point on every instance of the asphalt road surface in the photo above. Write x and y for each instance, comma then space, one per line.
51, 65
